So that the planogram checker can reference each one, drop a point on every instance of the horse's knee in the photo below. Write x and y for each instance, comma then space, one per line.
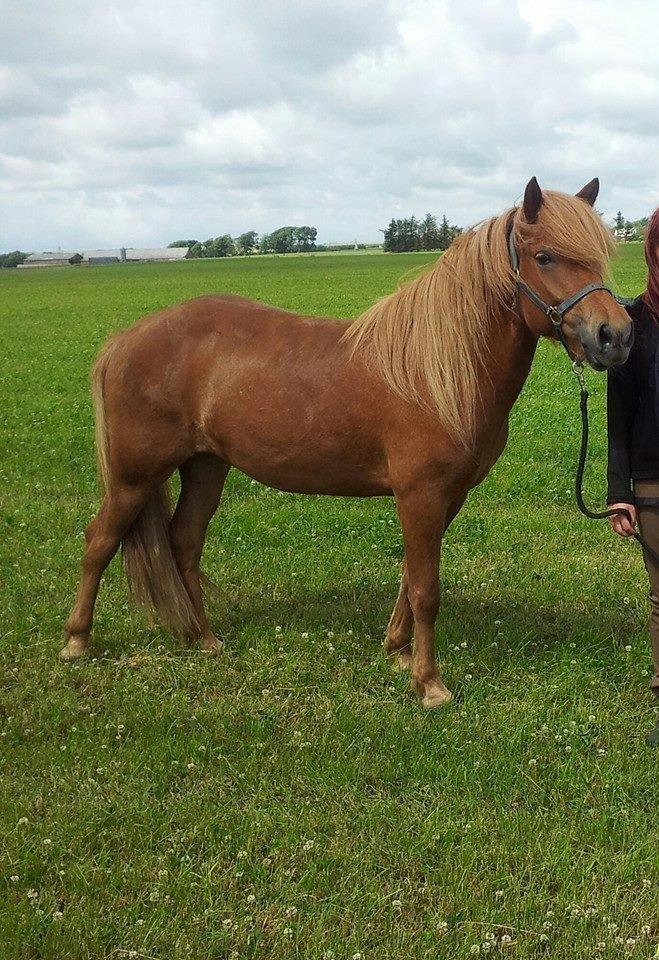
424, 601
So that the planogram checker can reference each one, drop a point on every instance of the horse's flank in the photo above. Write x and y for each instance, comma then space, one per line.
430, 339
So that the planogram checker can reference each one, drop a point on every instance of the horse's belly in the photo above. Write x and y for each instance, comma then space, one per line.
303, 461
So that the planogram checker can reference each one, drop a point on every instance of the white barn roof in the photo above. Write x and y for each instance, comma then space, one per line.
50, 255
101, 254
156, 253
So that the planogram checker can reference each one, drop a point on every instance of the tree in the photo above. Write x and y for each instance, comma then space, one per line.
283, 240
619, 224
197, 250
429, 233
305, 238
182, 243
444, 235
218, 247
12, 259
246, 242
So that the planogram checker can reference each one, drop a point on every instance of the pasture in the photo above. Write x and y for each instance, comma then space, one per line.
290, 798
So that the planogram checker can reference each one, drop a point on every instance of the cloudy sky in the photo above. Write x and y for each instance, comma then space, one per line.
141, 122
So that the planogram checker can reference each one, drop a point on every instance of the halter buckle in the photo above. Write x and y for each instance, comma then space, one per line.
577, 370
555, 317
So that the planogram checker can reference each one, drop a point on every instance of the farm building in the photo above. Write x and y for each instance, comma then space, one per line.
148, 254
56, 258
62, 258
93, 257
135, 255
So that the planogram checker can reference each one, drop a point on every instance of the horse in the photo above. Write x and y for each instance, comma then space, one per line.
410, 400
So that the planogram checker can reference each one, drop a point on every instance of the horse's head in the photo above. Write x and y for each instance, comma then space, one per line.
563, 247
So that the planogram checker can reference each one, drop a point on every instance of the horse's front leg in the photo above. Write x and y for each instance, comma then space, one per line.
423, 516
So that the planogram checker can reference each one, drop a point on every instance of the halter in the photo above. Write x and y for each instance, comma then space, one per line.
555, 312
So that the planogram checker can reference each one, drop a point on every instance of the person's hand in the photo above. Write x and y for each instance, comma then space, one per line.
621, 524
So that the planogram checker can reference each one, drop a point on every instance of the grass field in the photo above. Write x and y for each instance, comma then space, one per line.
291, 799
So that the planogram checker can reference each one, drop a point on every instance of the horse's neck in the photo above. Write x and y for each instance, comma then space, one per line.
507, 368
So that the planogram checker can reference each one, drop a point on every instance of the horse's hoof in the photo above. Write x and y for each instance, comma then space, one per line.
210, 645
436, 695
75, 648
401, 661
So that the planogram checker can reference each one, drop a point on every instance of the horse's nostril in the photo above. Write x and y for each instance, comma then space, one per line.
605, 335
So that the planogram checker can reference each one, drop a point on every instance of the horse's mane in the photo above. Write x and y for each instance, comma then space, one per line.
430, 339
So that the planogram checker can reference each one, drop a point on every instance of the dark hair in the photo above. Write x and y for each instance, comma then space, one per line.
651, 295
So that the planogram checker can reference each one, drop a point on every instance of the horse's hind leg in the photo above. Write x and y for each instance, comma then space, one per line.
202, 481
120, 506
398, 639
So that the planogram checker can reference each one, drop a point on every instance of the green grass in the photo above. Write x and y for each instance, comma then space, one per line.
290, 799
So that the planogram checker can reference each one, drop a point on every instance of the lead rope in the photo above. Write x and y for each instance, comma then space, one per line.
577, 369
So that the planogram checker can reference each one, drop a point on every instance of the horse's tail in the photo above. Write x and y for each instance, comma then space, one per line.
153, 576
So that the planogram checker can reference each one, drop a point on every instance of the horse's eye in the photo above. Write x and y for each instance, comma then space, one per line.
543, 258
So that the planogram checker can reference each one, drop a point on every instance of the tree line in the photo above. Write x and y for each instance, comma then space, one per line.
403, 236
282, 240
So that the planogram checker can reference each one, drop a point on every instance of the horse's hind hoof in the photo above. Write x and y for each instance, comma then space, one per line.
401, 661
436, 695
75, 648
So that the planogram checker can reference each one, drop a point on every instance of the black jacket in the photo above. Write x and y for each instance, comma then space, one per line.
633, 410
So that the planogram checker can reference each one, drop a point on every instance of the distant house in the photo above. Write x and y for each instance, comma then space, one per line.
56, 258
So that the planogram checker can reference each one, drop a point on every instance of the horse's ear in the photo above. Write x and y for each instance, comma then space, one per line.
532, 200
590, 191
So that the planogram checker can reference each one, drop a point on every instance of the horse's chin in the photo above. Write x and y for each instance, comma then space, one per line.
596, 364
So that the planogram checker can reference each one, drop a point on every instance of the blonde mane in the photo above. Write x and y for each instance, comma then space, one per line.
429, 341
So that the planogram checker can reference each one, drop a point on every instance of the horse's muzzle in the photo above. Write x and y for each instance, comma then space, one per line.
606, 346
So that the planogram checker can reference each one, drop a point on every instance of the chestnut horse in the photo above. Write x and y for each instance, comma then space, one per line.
410, 400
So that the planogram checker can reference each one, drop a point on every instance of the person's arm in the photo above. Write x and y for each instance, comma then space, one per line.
621, 404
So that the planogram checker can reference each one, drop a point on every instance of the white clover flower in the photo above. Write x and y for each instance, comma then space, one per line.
32, 894
288, 931
308, 845
227, 923
291, 912
57, 914
23, 822
506, 938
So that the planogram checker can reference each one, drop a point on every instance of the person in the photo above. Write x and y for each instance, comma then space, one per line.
633, 435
